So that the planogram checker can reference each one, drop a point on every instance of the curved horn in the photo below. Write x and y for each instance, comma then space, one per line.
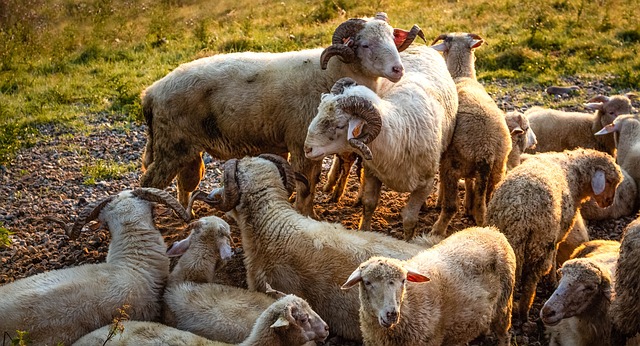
441, 37
59, 221
88, 214
197, 195
160, 196
347, 30
231, 193
286, 172
363, 108
341, 42
599, 98
382, 16
341, 84
411, 36
346, 54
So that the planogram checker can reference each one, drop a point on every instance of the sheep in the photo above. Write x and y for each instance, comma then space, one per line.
481, 141
522, 137
625, 202
576, 314
63, 305
400, 134
469, 292
237, 104
289, 321
557, 130
625, 307
535, 206
306, 257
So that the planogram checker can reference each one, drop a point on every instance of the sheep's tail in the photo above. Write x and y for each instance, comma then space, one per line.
147, 111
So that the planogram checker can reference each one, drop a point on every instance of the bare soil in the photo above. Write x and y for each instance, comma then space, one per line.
46, 180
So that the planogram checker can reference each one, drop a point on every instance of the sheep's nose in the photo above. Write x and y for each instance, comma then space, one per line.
398, 69
307, 149
547, 312
392, 316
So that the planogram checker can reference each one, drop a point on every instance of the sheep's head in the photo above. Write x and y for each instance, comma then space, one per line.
608, 108
603, 174
522, 135
210, 237
373, 44
383, 287
244, 176
457, 50
126, 201
582, 282
294, 321
347, 120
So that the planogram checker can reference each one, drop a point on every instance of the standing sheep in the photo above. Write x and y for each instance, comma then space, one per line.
557, 130
536, 203
63, 305
481, 142
577, 312
469, 292
401, 134
231, 105
295, 253
289, 321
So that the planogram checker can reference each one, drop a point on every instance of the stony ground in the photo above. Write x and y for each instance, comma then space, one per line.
47, 180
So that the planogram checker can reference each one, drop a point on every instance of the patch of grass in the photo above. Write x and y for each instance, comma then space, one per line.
5, 241
105, 170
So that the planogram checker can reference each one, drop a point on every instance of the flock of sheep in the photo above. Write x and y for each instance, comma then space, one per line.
404, 114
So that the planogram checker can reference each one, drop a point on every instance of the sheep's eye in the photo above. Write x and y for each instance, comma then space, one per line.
367, 283
365, 46
304, 319
404, 281
589, 288
391, 283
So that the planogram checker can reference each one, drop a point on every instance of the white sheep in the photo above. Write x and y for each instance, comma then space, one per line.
401, 134
293, 252
536, 203
63, 305
577, 312
237, 104
481, 143
469, 292
522, 137
558, 130
289, 321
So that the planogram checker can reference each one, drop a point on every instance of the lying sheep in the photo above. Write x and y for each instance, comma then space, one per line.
557, 130
400, 134
289, 321
625, 307
536, 203
62, 305
522, 137
625, 202
480, 144
469, 292
306, 257
577, 312
231, 105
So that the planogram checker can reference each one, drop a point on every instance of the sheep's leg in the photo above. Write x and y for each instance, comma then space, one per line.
411, 211
496, 175
528, 283
334, 173
370, 198
305, 192
470, 196
160, 173
479, 192
346, 161
189, 178
449, 191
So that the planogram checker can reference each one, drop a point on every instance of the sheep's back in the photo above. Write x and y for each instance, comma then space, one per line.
557, 130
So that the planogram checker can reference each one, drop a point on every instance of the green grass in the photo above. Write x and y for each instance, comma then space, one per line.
4, 236
105, 170
63, 59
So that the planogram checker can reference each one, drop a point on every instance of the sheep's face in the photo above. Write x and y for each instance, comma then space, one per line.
376, 50
327, 133
581, 282
297, 323
603, 187
522, 135
610, 108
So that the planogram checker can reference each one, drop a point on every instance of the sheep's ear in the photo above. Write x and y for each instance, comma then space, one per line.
355, 127
476, 43
631, 96
598, 182
415, 276
517, 131
285, 319
440, 47
399, 36
594, 105
225, 249
353, 279
607, 129
180, 247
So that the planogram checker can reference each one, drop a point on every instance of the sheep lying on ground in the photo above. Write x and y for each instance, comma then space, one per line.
231, 105
536, 203
577, 312
63, 305
625, 307
522, 137
625, 202
557, 130
289, 321
400, 134
480, 144
306, 257
469, 292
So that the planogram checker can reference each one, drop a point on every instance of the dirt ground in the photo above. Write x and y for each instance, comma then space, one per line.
47, 180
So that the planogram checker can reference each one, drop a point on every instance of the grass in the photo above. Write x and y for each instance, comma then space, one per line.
5, 241
63, 59
105, 170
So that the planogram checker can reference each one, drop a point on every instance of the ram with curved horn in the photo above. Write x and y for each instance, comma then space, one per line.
202, 105
401, 134
80, 299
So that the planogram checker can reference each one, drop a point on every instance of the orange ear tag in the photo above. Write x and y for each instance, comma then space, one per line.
357, 130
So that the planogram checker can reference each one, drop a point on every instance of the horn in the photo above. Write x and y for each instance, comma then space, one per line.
160, 196
346, 54
341, 42
441, 37
286, 172
61, 222
197, 195
276, 293
475, 37
411, 36
88, 214
363, 108
341, 84
599, 98
347, 30
231, 192
382, 16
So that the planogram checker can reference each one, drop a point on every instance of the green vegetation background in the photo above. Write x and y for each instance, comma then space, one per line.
64, 61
